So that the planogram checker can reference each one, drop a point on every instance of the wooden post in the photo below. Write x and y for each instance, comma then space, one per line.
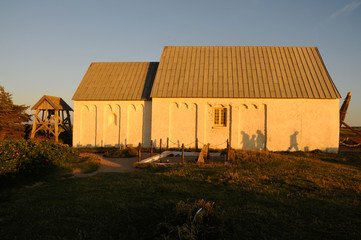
139, 152
35, 121
160, 145
344, 107
183, 153
196, 144
151, 148
228, 150
46, 121
56, 122
167, 144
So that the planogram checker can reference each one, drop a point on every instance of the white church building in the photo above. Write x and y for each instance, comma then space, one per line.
271, 98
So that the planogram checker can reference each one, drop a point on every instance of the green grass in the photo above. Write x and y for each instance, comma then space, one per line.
121, 152
261, 196
86, 164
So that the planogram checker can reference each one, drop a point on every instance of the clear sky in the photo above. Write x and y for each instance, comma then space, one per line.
46, 46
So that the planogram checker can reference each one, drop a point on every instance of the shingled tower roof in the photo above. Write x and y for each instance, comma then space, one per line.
51, 103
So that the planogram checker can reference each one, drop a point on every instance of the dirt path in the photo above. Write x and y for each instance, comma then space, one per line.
119, 165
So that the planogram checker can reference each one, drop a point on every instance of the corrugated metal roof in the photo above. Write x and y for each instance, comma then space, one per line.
242, 72
117, 81
51, 102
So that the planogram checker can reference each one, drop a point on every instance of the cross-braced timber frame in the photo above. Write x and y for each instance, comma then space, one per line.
343, 112
52, 113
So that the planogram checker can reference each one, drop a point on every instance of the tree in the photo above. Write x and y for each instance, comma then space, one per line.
11, 117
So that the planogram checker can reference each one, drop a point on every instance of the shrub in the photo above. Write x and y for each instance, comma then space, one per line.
92, 149
32, 157
121, 153
198, 220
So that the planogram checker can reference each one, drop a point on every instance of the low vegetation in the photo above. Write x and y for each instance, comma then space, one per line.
258, 195
198, 220
28, 157
121, 152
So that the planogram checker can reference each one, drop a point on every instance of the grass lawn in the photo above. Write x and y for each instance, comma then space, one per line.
260, 196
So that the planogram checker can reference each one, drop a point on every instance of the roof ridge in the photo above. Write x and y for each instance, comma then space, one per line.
260, 46
127, 62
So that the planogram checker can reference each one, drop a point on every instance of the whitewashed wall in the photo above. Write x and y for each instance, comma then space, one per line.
111, 123
272, 124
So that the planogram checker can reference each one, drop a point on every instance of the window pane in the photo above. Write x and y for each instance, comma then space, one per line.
220, 116
216, 116
223, 117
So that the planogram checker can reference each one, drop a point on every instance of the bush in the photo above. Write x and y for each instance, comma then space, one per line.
121, 153
32, 157
198, 220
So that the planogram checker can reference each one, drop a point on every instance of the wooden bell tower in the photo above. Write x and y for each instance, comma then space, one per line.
51, 113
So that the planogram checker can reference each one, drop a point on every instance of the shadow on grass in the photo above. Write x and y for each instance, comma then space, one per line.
131, 206
17, 181
346, 158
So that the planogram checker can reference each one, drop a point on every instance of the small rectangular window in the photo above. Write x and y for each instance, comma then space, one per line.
220, 117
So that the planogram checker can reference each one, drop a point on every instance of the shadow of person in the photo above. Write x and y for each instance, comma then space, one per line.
252, 142
248, 143
245, 140
293, 142
260, 141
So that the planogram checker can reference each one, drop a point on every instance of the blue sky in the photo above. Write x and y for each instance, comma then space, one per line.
47, 46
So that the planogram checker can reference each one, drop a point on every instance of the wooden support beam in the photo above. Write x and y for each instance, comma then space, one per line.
353, 130
56, 120
139, 152
344, 107
151, 148
34, 124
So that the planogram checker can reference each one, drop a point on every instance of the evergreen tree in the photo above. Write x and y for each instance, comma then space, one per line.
11, 117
